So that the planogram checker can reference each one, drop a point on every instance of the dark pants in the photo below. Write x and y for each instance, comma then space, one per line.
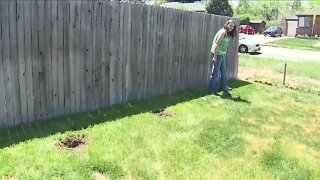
218, 68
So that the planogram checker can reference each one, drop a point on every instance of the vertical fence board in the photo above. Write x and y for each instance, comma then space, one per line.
147, 50
60, 66
77, 61
42, 60
3, 105
114, 59
89, 83
35, 58
14, 61
97, 53
27, 37
66, 56
128, 69
71, 60
102, 90
108, 33
152, 50
82, 58
126, 42
54, 55
121, 53
22, 62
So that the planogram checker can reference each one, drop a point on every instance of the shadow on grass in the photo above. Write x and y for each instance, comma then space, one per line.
73, 122
227, 95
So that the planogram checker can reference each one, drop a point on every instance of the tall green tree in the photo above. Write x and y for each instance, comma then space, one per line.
219, 7
296, 6
243, 7
266, 10
182, 1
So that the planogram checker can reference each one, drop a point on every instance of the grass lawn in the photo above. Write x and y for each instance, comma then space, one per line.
296, 43
262, 132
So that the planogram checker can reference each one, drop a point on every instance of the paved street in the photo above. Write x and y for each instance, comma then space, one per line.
288, 54
282, 53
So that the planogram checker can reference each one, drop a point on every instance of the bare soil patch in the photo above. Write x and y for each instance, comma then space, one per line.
72, 141
164, 113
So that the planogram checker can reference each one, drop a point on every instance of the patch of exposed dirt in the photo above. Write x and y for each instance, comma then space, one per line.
73, 141
99, 176
252, 121
269, 76
301, 150
164, 113
265, 83
249, 72
272, 128
257, 143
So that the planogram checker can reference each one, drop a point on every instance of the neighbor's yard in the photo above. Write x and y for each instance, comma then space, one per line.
296, 43
262, 132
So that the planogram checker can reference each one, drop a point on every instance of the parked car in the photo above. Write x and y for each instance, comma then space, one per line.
273, 31
248, 45
247, 29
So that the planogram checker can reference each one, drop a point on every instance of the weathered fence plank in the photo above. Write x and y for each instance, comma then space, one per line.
35, 59
14, 61
3, 109
61, 98
66, 56
22, 61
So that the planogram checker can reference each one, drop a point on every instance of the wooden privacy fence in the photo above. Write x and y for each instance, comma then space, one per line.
62, 57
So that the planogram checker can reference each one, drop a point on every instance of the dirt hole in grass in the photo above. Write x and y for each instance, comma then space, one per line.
164, 113
265, 83
72, 141
99, 176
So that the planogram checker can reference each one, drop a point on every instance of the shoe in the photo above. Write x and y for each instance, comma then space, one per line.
215, 94
229, 88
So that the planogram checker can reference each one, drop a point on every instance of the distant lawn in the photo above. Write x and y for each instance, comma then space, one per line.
261, 132
296, 43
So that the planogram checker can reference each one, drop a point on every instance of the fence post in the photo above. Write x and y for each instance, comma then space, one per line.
284, 73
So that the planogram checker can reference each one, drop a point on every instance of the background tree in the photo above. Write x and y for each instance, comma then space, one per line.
182, 1
243, 8
219, 7
313, 4
296, 6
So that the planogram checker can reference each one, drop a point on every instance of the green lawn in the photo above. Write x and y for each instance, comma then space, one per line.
261, 132
296, 43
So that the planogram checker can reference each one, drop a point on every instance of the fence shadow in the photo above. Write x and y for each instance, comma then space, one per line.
45, 128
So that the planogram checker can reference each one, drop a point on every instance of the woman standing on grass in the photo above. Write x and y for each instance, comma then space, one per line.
219, 50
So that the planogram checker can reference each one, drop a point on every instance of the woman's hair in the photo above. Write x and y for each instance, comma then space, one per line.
234, 30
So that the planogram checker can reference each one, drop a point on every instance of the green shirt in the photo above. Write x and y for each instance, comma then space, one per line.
223, 47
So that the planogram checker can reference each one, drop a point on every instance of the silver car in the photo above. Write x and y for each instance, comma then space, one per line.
248, 45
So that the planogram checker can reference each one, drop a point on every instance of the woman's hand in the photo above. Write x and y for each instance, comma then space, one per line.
214, 59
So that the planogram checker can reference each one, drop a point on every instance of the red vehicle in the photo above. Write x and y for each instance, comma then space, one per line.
247, 29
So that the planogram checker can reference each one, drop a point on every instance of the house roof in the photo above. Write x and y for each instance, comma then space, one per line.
292, 18
315, 11
256, 21
196, 6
